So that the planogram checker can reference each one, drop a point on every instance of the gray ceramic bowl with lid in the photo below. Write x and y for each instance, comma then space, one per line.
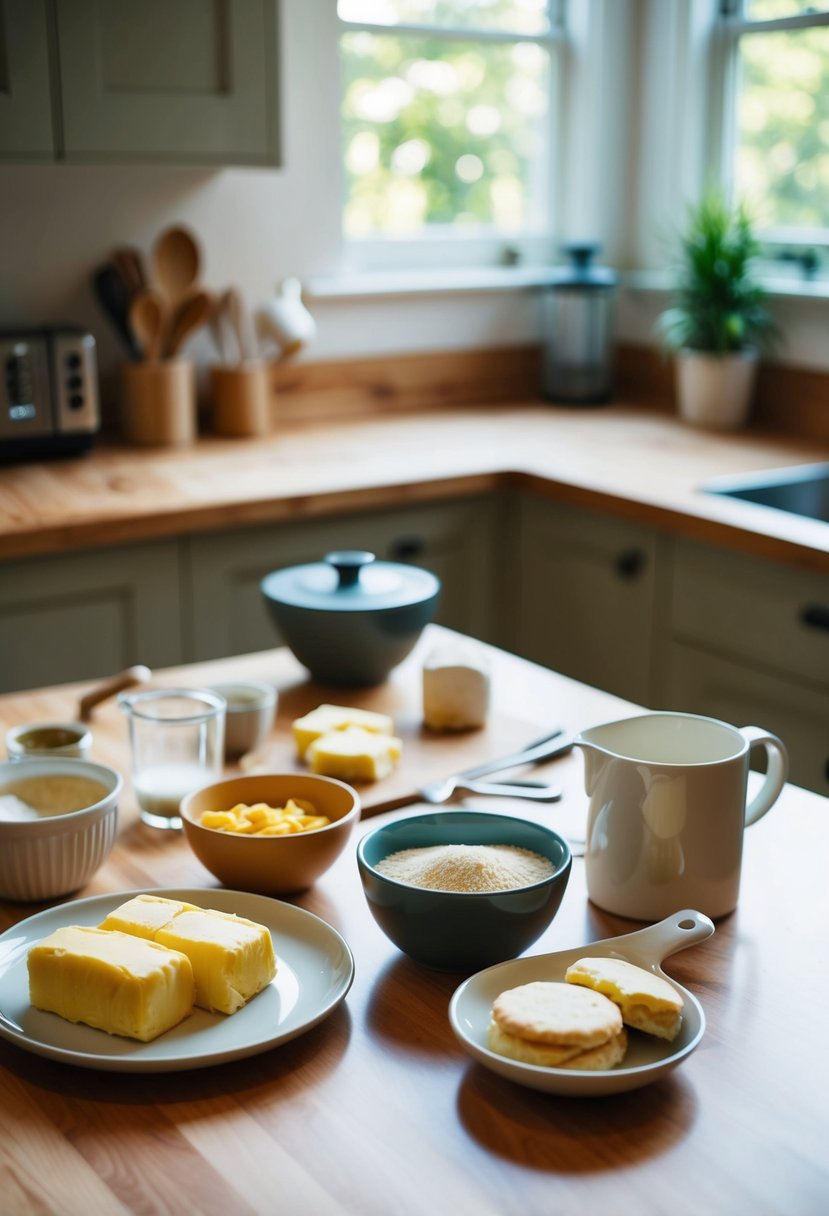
350, 619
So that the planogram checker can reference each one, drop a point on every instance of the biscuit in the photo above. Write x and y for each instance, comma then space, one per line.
547, 1055
647, 1002
606, 1055
554, 1014
598, 1059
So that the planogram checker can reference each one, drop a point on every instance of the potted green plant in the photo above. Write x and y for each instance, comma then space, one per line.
718, 322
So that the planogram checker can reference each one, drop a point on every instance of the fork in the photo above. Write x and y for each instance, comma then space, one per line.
552, 744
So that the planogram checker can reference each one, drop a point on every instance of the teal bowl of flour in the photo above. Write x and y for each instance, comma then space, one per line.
506, 878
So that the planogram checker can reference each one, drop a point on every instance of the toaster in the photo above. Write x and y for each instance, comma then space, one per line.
49, 401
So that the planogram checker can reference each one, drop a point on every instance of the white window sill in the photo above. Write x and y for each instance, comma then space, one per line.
793, 286
427, 282
378, 284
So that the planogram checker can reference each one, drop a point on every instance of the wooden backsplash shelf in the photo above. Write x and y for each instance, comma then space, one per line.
790, 400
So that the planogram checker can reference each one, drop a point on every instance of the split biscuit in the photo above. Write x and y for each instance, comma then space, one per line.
647, 1002
557, 1015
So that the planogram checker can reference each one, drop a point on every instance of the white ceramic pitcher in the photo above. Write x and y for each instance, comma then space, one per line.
668, 811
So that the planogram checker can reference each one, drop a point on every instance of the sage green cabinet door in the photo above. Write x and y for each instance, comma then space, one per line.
169, 80
453, 540
700, 682
586, 587
25, 103
86, 615
766, 614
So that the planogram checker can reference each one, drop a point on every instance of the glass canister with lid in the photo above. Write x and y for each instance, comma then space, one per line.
578, 329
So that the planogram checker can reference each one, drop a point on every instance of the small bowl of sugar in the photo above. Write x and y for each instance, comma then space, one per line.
459, 890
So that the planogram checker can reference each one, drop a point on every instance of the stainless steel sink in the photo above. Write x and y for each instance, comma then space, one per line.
800, 490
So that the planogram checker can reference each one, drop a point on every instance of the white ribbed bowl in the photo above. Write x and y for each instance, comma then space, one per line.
46, 858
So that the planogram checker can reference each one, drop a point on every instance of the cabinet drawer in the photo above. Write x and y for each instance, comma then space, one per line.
702, 683
769, 614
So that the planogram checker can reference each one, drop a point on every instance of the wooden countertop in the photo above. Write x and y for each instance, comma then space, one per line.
636, 462
379, 1110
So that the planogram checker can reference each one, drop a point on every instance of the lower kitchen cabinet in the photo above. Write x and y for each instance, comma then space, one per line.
660, 621
700, 682
453, 539
750, 643
79, 616
587, 588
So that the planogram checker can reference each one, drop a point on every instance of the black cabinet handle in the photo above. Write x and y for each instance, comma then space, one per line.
630, 563
816, 616
407, 548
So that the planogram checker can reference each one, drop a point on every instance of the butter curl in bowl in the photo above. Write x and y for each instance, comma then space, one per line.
243, 855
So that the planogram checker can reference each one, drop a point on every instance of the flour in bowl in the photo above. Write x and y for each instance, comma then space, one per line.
466, 867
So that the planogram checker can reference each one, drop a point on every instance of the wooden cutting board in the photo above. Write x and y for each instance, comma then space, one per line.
427, 755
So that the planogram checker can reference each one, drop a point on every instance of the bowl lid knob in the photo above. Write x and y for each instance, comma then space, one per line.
348, 563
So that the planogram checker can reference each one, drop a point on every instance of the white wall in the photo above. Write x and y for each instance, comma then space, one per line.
57, 222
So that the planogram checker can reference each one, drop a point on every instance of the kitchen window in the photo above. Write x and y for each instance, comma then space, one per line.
773, 70
448, 115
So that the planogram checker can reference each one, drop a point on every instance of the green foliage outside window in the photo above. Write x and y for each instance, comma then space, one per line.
782, 167
443, 131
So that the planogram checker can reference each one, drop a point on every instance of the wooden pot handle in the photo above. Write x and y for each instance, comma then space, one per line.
102, 692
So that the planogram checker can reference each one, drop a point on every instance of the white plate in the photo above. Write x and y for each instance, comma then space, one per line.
314, 972
647, 1058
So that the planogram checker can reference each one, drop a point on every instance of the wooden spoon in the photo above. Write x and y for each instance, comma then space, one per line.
237, 315
176, 263
148, 315
191, 314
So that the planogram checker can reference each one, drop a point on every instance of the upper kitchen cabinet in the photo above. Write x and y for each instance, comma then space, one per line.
26, 130
144, 80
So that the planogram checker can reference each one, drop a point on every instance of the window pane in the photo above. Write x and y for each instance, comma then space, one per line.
782, 167
770, 10
519, 16
440, 132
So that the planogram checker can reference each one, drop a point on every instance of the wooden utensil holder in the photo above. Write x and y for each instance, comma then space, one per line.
158, 405
240, 396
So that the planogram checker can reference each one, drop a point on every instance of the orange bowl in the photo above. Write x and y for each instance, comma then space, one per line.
271, 865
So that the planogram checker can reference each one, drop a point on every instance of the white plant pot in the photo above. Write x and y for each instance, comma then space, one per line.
715, 391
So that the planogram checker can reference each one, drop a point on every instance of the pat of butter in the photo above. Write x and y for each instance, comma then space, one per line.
232, 958
326, 718
456, 688
115, 982
354, 754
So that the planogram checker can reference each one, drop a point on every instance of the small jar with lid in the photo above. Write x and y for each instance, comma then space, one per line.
578, 316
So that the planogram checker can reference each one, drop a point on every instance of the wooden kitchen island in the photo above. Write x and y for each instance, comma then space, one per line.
377, 1110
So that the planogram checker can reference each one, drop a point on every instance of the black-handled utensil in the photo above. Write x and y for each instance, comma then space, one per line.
113, 295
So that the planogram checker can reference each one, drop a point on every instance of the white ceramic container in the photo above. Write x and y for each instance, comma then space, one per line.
48, 857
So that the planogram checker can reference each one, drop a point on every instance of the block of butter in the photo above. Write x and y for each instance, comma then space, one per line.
144, 915
232, 958
326, 718
456, 688
354, 754
121, 984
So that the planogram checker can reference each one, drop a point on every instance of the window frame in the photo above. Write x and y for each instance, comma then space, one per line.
730, 24
442, 245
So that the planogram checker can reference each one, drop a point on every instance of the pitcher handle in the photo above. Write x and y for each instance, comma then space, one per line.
778, 771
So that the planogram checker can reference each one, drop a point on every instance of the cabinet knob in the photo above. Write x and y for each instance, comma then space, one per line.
816, 616
407, 548
630, 563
